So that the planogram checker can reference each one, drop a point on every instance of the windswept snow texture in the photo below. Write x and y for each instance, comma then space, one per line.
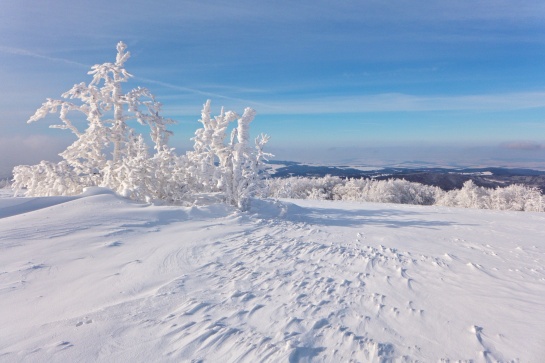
100, 278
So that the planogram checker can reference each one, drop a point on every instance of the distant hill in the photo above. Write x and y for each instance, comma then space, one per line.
445, 178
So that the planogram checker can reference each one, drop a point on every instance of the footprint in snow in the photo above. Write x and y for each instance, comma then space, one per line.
62, 345
85, 321
320, 324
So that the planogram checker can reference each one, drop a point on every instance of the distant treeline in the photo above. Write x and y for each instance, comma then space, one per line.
514, 197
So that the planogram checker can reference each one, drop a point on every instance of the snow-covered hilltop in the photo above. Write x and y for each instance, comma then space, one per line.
101, 278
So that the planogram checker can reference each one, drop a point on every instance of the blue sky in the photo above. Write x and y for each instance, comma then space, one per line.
370, 82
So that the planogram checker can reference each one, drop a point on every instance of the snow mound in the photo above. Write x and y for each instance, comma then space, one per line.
92, 191
14, 206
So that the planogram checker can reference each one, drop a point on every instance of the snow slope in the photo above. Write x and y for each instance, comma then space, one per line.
100, 278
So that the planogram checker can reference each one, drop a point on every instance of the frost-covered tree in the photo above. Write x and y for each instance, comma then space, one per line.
234, 169
210, 153
472, 196
106, 150
247, 162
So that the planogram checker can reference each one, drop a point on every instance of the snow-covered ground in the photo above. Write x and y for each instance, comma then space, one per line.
101, 278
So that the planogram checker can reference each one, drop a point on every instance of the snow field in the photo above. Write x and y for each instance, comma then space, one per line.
101, 278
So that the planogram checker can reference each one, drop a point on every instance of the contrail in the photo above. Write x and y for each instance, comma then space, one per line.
19, 51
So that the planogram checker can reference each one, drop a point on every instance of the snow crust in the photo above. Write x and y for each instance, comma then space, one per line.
100, 278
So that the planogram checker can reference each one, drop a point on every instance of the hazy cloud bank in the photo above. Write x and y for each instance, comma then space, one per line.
28, 150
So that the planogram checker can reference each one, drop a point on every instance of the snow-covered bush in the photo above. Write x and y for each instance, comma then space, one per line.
391, 191
514, 197
517, 197
304, 188
109, 153
47, 179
